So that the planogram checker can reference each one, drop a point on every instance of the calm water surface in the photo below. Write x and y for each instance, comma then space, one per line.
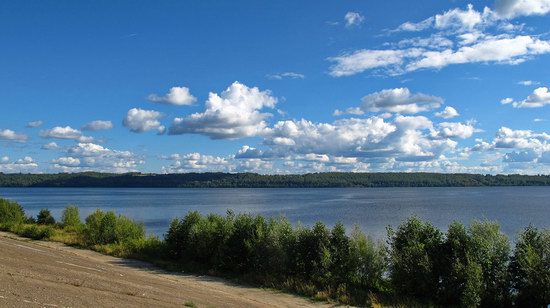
372, 209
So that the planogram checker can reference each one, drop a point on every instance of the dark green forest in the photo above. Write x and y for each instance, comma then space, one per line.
253, 180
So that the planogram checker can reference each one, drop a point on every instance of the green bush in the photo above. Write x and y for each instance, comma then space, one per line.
45, 217
36, 232
11, 212
70, 217
530, 268
415, 252
106, 228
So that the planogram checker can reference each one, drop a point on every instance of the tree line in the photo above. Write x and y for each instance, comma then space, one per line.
244, 180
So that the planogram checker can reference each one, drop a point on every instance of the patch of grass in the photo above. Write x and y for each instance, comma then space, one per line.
190, 304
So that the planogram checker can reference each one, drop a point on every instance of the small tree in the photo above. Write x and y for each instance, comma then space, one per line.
415, 251
530, 268
45, 217
11, 212
70, 218
491, 250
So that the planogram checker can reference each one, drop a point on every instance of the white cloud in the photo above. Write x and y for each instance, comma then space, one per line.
9, 134
528, 82
447, 113
365, 59
515, 8
285, 75
353, 19
539, 120
25, 164
90, 156
140, 120
50, 146
98, 125
399, 100
457, 18
179, 96
498, 49
415, 27
66, 132
339, 138
539, 98
34, 124
197, 162
235, 113
456, 130
67, 161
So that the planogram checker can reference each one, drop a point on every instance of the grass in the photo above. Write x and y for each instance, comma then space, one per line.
190, 304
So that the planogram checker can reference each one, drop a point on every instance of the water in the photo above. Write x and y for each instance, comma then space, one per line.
372, 209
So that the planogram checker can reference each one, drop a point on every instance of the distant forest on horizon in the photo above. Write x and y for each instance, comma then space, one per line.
253, 180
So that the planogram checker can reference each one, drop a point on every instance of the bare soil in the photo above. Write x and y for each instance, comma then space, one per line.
48, 274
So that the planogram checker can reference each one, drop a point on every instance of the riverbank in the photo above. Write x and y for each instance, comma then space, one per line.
51, 274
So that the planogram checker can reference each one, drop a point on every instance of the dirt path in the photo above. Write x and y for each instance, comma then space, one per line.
47, 274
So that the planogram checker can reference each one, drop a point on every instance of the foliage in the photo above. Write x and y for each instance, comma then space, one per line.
11, 212
329, 179
491, 250
530, 268
45, 217
70, 218
414, 254
420, 266
106, 228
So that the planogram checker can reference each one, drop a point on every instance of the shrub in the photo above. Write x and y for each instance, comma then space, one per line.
530, 268
415, 248
11, 212
45, 217
70, 218
106, 228
36, 232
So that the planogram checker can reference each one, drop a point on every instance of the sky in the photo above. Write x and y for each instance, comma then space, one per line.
275, 86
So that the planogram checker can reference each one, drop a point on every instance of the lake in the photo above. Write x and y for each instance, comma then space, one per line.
372, 209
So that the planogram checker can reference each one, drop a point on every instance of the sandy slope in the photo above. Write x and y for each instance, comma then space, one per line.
46, 274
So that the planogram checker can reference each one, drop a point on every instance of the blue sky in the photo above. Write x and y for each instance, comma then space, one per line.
275, 86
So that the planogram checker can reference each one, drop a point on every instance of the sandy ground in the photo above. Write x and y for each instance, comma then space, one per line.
47, 274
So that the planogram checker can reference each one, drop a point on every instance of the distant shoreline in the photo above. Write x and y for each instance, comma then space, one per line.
253, 180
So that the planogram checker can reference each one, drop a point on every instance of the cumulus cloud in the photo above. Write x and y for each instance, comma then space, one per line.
515, 8
178, 96
458, 18
455, 130
399, 100
9, 134
25, 164
447, 113
196, 162
66, 132
539, 98
353, 19
235, 113
285, 75
90, 156
34, 124
98, 125
140, 120
50, 146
